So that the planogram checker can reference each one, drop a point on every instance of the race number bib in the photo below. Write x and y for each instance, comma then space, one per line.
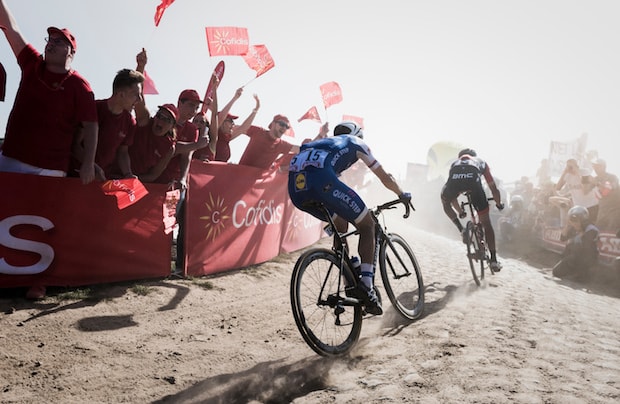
308, 158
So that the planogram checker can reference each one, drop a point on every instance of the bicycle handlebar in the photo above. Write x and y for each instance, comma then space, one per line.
390, 205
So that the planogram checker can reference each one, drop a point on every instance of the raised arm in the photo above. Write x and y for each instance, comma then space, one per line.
245, 126
142, 112
222, 114
11, 30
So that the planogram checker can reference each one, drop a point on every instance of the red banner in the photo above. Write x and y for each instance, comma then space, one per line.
219, 73
608, 244
224, 41
259, 59
331, 94
58, 232
312, 114
248, 223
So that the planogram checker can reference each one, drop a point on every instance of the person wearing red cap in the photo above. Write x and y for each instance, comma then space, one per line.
154, 141
189, 136
266, 145
63, 100
187, 132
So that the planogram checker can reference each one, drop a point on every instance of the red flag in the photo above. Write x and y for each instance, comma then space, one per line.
219, 73
127, 191
159, 12
259, 59
331, 94
356, 119
312, 114
227, 41
148, 87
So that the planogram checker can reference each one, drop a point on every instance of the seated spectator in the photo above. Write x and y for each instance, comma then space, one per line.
116, 127
581, 252
266, 145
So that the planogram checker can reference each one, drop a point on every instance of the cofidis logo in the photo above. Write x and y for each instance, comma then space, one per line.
243, 213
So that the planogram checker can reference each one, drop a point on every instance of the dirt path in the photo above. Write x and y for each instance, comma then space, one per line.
525, 337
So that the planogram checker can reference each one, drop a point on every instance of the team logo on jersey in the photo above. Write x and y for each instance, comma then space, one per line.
300, 181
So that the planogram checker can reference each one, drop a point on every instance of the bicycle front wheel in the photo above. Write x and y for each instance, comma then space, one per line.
475, 252
328, 322
402, 276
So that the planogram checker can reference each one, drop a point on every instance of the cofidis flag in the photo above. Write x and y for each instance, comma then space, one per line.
331, 94
127, 191
226, 41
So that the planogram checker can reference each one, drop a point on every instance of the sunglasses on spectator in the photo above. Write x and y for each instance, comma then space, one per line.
163, 117
283, 124
57, 41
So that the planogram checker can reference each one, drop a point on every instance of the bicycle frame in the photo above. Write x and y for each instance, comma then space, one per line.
380, 235
325, 300
477, 252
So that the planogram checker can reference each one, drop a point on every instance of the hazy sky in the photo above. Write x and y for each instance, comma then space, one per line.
503, 77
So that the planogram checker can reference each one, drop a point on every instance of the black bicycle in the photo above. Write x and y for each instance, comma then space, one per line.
477, 250
327, 315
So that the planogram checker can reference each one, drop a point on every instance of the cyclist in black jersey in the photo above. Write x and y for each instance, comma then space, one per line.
465, 174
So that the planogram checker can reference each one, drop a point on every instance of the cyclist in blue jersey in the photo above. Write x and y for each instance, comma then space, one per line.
464, 176
313, 178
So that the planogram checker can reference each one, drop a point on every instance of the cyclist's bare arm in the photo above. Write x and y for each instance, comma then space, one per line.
387, 180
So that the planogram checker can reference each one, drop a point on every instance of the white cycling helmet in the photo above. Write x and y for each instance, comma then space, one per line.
578, 214
349, 128
516, 202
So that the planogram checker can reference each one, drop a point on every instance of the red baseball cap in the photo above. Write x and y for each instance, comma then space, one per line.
189, 95
65, 33
172, 109
231, 117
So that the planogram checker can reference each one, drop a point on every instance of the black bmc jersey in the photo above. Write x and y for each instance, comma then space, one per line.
465, 176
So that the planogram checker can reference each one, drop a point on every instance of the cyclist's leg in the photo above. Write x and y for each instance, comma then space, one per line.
481, 204
347, 204
448, 200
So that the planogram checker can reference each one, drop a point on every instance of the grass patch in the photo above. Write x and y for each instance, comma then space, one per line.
203, 283
141, 290
76, 294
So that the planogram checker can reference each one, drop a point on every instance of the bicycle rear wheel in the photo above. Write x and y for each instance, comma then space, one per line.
328, 321
402, 276
475, 252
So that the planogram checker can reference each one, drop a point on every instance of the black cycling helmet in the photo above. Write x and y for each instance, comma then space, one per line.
578, 214
349, 128
470, 152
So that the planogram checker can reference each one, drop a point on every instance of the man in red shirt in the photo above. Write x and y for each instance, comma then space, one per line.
116, 126
266, 145
62, 99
